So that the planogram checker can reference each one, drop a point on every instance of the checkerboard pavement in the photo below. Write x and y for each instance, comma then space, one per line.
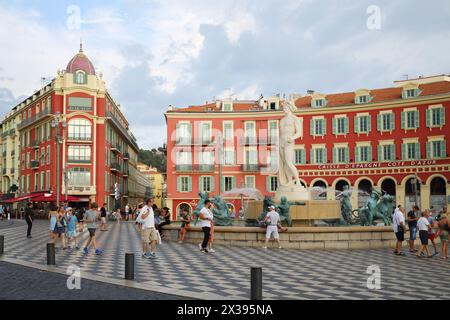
287, 274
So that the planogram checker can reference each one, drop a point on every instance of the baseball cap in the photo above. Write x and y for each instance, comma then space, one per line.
273, 207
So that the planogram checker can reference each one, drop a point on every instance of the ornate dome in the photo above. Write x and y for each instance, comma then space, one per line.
80, 62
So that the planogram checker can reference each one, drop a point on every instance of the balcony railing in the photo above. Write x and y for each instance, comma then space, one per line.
81, 190
205, 168
250, 167
204, 141
33, 119
119, 126
115, 167
183, 167
116, 148
248, 141
34, 164
183, 141
86, 161
35, 144
126, 172
126, 156
80, 138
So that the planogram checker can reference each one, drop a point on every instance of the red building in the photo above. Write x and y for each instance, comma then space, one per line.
379, 138
97, 154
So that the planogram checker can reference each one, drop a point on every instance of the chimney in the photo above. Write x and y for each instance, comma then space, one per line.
310, 92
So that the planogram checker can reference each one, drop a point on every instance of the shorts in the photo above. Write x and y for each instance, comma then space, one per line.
444, 235
412, 233
103, 220
59, 230
72, 234
423, 235
272, 230
91, 232
400, 235
431, 236
149, 235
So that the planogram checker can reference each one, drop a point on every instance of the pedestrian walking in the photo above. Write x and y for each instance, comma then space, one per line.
185, 218
29, 218
272, 220
103, 226
72, 234
127, 212
149, 233
91, 217
138, 217
443, 233
424, 227
52, 214
398, 224
60, 228
432, 232
206, 219
412, 218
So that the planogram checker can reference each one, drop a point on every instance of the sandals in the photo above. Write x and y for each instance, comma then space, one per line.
399, 253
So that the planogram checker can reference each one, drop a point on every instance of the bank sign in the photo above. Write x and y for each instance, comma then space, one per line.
372, 165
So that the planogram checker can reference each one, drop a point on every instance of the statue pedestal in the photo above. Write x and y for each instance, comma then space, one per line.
292, 193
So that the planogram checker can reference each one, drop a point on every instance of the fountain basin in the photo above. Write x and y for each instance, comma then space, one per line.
354, 237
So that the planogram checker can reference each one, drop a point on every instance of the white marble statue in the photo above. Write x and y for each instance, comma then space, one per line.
291, 128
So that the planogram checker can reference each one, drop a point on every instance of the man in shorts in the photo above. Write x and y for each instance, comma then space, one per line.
149, 234
412, 218
91, 217
398, 224
272, 220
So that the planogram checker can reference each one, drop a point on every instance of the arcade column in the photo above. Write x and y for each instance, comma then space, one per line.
400, 195
425, 196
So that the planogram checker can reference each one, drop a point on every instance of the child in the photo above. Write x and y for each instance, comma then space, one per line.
72, 233
424, 227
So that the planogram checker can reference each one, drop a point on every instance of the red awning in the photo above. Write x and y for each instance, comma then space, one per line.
52, 198
22, 198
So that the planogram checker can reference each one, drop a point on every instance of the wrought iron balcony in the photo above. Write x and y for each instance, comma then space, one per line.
115, 167
247, 167
183, 141
33, 119
248, 141
205, 167
183, 168
126, 156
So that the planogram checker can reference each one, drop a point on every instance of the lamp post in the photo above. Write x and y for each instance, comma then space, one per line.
66, 181
55, 124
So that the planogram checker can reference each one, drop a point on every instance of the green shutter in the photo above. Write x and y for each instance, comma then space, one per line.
356, 123
212, 184
335, 126
268, 183
303, 156
324, 126
311, 156
428, 114
311, 127
392, 120
393, 151
189, 184
380, 153
357, 154
417, 147
200, 183
347, 154
403, 120
416, 92
222, 184
417, 119
429, 144
403, 151
379, 118
369, 124
233, 182
369, 154
442, 116
325, 155
347, 129
179, 184
335, 155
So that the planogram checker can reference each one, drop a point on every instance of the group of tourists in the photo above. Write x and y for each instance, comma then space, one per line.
427, 225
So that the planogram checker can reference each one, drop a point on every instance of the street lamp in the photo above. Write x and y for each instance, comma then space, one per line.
66, 181
55, 124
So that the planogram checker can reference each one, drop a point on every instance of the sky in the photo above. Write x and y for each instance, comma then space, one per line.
158, 53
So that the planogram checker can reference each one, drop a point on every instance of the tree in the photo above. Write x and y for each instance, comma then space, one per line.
154, 158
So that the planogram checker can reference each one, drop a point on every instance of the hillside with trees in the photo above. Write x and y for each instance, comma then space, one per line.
154, 157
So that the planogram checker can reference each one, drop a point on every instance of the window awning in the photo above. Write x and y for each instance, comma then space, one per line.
22, 198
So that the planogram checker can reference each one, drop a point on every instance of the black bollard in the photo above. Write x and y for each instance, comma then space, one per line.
51, 254
129, 266
256, 283
2, 243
